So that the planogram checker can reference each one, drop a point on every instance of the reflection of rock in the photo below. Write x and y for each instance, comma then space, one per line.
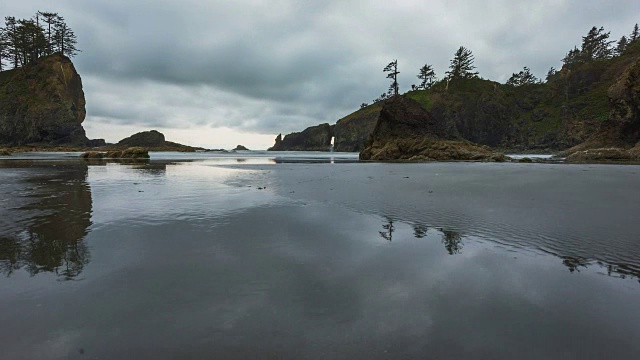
314, 138
452, 241
406, 131
47, 235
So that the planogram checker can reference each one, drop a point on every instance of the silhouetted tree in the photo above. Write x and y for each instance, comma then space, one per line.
29, 41
524, 77
596, 45
635, 34
551, 73
428, 77
64, 38
4, 47
392, 70
13, 52
572, 57
622, 45
49, 19
363, 105
461, 66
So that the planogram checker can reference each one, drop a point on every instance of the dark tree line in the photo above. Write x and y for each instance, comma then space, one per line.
23, 41
595, 46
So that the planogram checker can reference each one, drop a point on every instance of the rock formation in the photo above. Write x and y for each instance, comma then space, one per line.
406, 131
353, 131
42, 103
240, 147
315, 138
619, 136
129, 153
153, 140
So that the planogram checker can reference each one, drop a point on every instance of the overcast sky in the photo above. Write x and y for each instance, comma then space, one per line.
222, 73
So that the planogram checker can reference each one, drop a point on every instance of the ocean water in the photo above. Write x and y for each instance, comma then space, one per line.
316, 256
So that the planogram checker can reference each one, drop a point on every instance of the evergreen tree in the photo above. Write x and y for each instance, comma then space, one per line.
622, 45
428, 77
573, 57
13, 52
596, 45
393, 72
49, 19
461, 66
64, 38
524, 77
635, 34
4, 47
551, 74
29, 41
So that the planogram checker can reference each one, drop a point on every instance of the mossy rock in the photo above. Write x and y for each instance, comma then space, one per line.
5, 152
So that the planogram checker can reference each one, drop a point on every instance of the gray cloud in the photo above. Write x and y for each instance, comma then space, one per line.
279, 66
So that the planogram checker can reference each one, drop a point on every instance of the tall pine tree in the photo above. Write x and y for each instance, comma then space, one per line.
596, 45
428, 77
392, 70
461, 66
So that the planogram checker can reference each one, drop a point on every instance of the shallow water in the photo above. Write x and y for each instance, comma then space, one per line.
292, 256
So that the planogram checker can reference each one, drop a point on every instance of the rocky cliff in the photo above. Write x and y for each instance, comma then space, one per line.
406, 131
619, 136
42, 103
566, 110
315, 138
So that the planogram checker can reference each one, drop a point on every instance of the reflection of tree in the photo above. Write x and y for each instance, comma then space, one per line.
574, 263
420, 231
388, 234
452, 241
47, 234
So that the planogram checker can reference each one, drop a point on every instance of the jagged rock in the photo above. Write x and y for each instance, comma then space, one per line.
151, 138
406, 131
42, 103
240, 147
314, 138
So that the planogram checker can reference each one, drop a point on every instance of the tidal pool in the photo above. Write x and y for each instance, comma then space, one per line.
316, 256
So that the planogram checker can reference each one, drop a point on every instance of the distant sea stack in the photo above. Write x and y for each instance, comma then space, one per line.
240, 147
43, 103
406, 131
153, 140
315, 138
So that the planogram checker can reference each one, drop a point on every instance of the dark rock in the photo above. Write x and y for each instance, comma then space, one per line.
96, 143
151, 138
240, 147
525, 160
42, 103
352, 132
129, 153
314, 138
619, 135
406, 131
